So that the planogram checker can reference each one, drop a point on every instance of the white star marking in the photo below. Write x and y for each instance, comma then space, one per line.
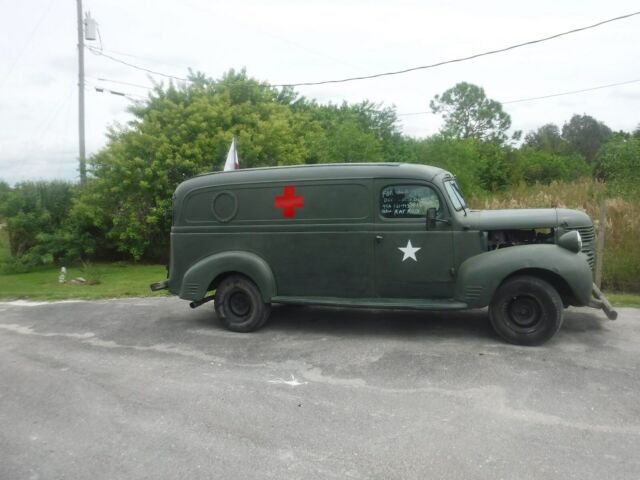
409, 251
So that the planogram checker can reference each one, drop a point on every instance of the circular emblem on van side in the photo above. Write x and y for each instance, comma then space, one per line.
225, 206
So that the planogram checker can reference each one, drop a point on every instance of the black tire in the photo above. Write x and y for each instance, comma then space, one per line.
239, 305
526, 310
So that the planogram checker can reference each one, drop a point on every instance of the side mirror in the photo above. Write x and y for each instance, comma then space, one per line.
432, 213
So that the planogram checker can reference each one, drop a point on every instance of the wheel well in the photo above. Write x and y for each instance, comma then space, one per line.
216, 281
555, 280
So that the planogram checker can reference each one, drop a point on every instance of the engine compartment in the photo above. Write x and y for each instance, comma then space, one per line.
510, 238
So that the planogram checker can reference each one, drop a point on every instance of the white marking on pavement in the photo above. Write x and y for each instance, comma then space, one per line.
294, 382
27, 303
12, 327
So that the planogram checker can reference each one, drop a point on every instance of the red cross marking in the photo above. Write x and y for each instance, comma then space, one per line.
289, 201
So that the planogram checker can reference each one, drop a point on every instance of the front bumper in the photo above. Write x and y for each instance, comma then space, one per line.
601, 302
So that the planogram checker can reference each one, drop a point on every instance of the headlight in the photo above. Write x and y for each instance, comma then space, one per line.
571, 241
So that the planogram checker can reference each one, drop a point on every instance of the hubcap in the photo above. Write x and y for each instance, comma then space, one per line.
239, 304
524, 312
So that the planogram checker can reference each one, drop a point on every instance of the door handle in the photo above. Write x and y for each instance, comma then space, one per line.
379, 238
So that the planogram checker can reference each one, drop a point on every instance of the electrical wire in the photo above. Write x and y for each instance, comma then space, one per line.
228, 14
461, 59
530, 99
96, 51
137, 85
25, 45
43, 127
542, 97
385, 74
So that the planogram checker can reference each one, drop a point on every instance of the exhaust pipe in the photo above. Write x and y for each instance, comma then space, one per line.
159, 286
197, 303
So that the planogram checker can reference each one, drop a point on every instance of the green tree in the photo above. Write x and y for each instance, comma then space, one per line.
585, 135
177, 133
618, 163
363, 132
461, 157
32, 209
468, 113
543, 166
548, 139
183, 130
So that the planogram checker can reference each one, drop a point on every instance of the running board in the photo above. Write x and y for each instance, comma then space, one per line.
392, 303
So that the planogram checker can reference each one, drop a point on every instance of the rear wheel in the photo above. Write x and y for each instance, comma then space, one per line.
526, 310
239, 305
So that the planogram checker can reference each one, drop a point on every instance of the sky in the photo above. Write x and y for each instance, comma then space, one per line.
287, 41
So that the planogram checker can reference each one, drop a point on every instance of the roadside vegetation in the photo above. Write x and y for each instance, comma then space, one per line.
122, 214
102, 281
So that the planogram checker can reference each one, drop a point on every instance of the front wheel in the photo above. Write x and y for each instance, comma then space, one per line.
526, 310
239, 305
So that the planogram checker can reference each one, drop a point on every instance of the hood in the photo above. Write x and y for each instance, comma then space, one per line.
521, 218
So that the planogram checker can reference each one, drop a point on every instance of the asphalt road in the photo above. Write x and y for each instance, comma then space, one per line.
147, 388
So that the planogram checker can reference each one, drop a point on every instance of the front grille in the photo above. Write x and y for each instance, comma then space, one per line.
588, 236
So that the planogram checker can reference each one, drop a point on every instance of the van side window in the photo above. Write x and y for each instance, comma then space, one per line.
408, 201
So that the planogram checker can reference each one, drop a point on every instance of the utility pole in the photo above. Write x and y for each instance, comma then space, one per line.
83, 165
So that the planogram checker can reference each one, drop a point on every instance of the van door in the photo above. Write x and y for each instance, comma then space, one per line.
411, 261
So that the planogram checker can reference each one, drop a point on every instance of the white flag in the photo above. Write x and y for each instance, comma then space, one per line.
232, 162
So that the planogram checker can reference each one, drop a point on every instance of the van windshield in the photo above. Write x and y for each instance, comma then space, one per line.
455, 194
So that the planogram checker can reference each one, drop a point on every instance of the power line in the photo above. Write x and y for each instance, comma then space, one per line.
530, 99
410, 114
461, 59
42, 129
256, 28
137, 85
384, 74
96, 51
25, 45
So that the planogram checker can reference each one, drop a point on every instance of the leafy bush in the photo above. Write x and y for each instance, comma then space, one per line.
184, 131
458, 156
618, 163
32, 209
540, 166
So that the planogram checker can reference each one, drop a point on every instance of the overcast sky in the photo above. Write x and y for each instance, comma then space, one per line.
284, 41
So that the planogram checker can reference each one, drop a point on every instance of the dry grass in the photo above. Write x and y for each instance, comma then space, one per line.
622, 251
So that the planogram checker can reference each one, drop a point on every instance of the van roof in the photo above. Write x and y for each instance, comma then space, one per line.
324, 171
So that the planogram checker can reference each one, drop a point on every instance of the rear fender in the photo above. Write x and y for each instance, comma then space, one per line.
198, 278
479, 276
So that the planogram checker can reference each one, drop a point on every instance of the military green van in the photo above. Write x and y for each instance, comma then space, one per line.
380, 235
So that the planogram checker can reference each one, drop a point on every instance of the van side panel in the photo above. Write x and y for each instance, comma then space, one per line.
320, 242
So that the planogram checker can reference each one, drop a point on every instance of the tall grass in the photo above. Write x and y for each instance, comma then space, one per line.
621, 261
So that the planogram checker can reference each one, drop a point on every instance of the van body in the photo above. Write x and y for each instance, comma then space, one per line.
375, 235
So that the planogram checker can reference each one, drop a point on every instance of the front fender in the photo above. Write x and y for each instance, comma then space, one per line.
199, 276
479, 277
